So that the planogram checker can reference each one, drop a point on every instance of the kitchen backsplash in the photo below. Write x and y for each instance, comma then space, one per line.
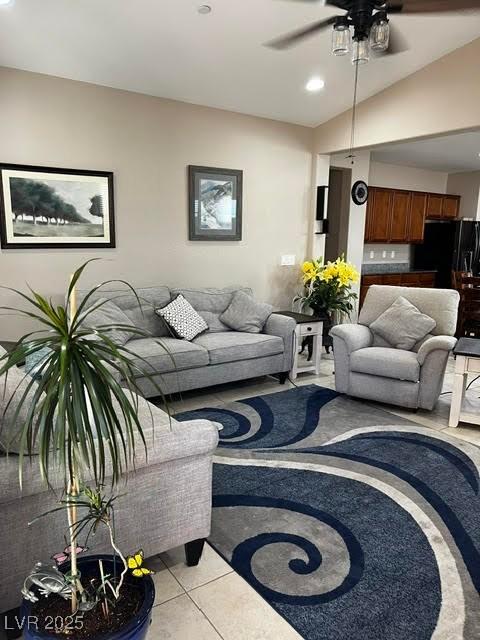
387, 254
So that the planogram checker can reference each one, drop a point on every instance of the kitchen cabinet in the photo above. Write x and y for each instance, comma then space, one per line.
398, 216
434, 206
424, 279
451, 207
442, 207
418, 209
378, 221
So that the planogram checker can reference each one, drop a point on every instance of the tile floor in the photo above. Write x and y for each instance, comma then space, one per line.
211, 602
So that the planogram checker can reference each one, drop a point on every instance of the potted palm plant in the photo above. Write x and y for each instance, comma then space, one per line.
79, 420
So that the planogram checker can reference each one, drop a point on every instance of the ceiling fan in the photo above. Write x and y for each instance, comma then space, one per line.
364, 26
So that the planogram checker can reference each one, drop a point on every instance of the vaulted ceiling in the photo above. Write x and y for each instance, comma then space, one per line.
166, 48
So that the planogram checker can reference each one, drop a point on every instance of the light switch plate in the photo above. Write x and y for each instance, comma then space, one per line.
384, 254
372, 255
287, 260
392, 255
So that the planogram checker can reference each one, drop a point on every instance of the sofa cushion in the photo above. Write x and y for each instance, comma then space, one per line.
107, 313
143, 316
387, 363
184, 321
232, 346
162, 355
402, 325
13, 385
246, 314
210, 303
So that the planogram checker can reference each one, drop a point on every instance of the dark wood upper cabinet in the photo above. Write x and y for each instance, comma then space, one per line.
399, 228
418, 210
397, 215
434, 206
451, 207
379, 211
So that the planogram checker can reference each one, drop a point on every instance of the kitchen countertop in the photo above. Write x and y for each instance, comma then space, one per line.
393, 268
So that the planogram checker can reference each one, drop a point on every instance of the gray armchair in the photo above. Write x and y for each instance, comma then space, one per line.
368, 367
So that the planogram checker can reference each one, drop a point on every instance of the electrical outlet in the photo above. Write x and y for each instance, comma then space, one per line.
287, 260
384, 254
372, 255
392, 255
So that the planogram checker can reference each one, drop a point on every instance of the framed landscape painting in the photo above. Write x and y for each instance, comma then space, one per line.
215, 203
47, 208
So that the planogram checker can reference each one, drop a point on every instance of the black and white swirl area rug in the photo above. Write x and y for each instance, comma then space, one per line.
352, 523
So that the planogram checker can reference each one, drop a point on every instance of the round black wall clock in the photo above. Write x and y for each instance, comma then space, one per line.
360, 192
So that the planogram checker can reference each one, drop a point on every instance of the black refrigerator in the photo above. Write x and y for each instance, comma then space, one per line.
447, 247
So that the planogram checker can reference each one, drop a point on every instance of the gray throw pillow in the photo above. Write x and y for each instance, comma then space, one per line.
246, 314
110, 314
402, 325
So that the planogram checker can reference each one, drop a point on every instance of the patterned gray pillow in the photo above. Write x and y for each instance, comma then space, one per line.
246, 314
403, 325
110, 314
182, 318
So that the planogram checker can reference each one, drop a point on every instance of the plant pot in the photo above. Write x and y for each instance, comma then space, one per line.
135, 629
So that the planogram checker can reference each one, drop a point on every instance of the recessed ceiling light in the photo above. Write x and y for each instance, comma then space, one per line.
4, 3
315, 84
204, 9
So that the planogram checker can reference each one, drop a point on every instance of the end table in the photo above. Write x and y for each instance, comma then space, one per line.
467, 360
307, 326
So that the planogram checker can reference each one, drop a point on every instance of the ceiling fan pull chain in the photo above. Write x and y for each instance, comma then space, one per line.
351, 155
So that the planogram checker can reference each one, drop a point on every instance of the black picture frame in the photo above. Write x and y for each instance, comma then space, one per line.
101, 181
224, 189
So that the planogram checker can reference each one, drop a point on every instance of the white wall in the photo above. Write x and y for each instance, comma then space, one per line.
148, 143
466, 185
395, 176
356, 226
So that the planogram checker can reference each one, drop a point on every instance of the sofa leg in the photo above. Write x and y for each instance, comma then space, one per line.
193, 552
283, 377
11, 623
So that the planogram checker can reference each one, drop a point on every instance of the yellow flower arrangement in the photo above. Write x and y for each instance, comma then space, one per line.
328, 285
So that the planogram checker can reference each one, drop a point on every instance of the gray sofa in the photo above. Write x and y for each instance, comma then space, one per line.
166, 502
217, 356
367, 367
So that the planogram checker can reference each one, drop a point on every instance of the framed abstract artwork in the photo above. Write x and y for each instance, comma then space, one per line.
215, 203
48, 208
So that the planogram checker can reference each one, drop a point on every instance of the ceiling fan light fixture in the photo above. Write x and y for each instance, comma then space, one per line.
380, 34
361, 52
341, 38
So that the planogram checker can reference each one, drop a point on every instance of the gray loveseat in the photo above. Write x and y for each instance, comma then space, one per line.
367, 367
217, 356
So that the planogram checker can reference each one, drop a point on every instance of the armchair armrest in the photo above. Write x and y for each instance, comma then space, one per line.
355, 336
435, 343
284, 327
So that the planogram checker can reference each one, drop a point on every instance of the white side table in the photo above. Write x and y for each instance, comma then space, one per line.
467, 353
307, 326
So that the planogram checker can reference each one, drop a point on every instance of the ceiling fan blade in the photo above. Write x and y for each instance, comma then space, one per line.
293, 38
432, 6
398, 43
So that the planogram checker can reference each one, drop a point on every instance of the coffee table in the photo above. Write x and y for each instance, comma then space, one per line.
467, 354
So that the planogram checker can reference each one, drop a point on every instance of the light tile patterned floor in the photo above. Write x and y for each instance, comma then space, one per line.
211, 602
